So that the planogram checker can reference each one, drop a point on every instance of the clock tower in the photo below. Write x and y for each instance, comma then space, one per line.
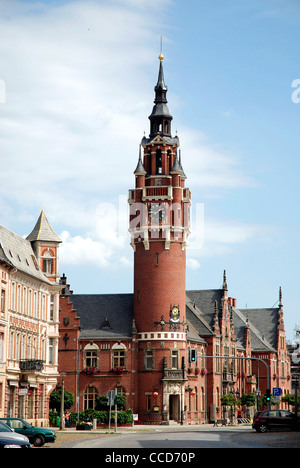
159, 228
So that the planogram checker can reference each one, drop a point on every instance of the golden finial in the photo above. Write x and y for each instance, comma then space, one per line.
161, 56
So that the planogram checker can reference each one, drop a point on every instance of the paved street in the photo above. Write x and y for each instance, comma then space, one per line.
192, 437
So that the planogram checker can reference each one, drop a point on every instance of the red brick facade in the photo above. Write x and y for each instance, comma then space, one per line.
142, 344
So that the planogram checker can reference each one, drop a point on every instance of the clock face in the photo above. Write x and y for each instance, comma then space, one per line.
174, 314
156, 212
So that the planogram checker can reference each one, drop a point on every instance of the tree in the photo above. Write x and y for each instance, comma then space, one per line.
228, 400
55, 400
290, 399
248, 399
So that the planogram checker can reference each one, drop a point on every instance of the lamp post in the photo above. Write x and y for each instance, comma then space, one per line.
258, 394
62, 404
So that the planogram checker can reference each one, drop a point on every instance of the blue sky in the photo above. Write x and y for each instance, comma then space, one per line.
79, 78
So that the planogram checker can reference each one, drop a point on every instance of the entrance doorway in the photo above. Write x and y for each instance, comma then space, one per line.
174, 408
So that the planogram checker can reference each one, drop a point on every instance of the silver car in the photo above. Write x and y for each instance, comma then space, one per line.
11, 439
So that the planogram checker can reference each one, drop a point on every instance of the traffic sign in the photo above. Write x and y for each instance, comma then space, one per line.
111, 395
276, 391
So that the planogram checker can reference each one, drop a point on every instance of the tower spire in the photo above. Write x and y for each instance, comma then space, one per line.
160, 117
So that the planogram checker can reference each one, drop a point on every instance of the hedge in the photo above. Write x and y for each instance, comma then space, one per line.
124, 417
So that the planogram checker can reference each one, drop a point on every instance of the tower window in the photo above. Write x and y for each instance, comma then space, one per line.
174, 359
158, 162
149, 359
48, 263
156, 259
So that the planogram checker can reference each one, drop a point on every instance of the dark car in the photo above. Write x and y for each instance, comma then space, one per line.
38, 436
268, 420
9, 442
10, 439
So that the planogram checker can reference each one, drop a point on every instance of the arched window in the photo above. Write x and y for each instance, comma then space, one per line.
158, 162
169, 159
118, 355
91, 355
48, 262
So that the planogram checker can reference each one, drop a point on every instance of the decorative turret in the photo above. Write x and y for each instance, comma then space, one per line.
45, 244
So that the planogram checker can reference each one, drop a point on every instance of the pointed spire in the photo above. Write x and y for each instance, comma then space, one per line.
140, 170
43, 231
225, 287
216, 316
280, 297
183, 173
161, 80
176, 169
160, 117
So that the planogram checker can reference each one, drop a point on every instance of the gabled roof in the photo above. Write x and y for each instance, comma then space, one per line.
263, 327
43, 231
19, 253
203, 304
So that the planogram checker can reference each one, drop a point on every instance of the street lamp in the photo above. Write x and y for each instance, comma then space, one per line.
258, 394
62, 404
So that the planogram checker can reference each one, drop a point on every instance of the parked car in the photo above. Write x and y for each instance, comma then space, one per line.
38, 436
10, 439
268, 420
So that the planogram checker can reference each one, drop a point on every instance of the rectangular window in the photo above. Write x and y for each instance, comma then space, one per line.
19, 299
1, 347
91, 358
2, 301
174, 359
149, 359
13, 296
119, 358
47, 266
52, 308
51, 354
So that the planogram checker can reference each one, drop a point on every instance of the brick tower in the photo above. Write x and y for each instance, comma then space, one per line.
159, 228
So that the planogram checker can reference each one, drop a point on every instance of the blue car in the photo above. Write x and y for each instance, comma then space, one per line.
10, 439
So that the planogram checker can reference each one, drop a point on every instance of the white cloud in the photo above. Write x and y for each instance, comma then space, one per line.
78, 93
75, 107
220, 237
209, 166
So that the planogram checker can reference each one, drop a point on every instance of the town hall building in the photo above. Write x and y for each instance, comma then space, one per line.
172, 352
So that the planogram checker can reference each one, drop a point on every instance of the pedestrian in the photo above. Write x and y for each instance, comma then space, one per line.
67, 420
240, 414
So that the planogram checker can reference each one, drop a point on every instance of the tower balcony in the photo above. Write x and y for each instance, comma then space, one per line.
158, 193
174, 374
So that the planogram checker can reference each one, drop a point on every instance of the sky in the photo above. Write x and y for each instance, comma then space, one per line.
77, 84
